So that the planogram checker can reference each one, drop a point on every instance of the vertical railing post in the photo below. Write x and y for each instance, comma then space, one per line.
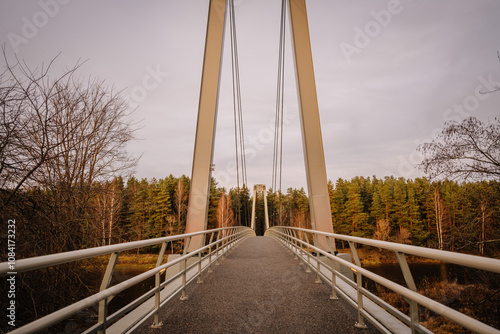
411, 285
156, 321
301, 247
223, 244
103, 314
296, 244
291, 242
217, 246
231, 239
286, 238
334, 277
106, 281
184, 270
318, 264
210, 253
228, 241
308, 269
359, 277
199, 280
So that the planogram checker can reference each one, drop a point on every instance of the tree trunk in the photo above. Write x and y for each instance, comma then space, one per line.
438, 207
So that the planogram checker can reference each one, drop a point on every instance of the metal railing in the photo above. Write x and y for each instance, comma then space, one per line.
298, 241
220, 242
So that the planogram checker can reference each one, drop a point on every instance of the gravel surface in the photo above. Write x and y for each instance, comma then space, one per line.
258, 288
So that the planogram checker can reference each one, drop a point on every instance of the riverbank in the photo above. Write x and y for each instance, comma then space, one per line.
130, 261
479, 301
375, 257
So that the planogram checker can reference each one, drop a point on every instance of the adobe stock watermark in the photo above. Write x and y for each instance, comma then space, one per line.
11, 274
373, 28
151, 81
457, 113
254, 145
31, 26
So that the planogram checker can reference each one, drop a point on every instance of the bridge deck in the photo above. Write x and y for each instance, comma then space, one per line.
258, 288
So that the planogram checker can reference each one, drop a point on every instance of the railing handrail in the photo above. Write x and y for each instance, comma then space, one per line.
55, 259
458, 317
39, 262
473, 261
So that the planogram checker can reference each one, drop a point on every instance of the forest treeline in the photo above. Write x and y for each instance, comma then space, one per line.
445, 215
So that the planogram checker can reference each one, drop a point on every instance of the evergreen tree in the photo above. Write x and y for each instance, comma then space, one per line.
417, 227
215, 193
338, 197
354, 211
241, 205
162, 216
401, 212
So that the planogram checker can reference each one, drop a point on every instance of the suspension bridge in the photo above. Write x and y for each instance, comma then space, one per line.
228, 280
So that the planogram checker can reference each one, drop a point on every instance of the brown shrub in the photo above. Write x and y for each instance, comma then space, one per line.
478, 301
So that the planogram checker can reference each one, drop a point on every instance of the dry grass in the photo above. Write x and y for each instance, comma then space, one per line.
131, 261
370, 256
477, 301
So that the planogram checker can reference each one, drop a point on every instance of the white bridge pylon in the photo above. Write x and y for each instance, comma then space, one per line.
260, 188
314, 159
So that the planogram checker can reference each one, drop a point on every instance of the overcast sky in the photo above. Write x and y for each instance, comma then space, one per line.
388, 75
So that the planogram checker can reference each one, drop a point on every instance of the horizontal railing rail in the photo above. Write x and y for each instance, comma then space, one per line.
221, 240
297, 240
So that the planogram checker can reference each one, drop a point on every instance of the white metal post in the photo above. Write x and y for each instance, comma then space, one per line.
252, 226
205, 129
312, 141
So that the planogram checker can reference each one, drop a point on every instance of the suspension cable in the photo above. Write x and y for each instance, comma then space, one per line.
278, 123
239, 137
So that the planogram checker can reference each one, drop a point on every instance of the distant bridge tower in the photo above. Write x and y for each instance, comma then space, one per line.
260, 188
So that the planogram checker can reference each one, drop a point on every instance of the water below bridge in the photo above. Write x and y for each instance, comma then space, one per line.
258, 288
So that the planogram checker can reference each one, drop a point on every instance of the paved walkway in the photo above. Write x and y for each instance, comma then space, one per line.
258, 288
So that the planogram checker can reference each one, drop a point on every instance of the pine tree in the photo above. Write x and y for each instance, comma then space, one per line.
338, 197
163, 210
354, 210
417, 228
215, 193
401, 212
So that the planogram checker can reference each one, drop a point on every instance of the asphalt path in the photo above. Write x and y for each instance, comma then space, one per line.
258, 288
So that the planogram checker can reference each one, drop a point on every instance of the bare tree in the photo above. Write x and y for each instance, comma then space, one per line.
439, 210
225, 214
59, 129
28, 130
107, 205
59, 135
383, 230
495, 88
469, 150
180, 202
